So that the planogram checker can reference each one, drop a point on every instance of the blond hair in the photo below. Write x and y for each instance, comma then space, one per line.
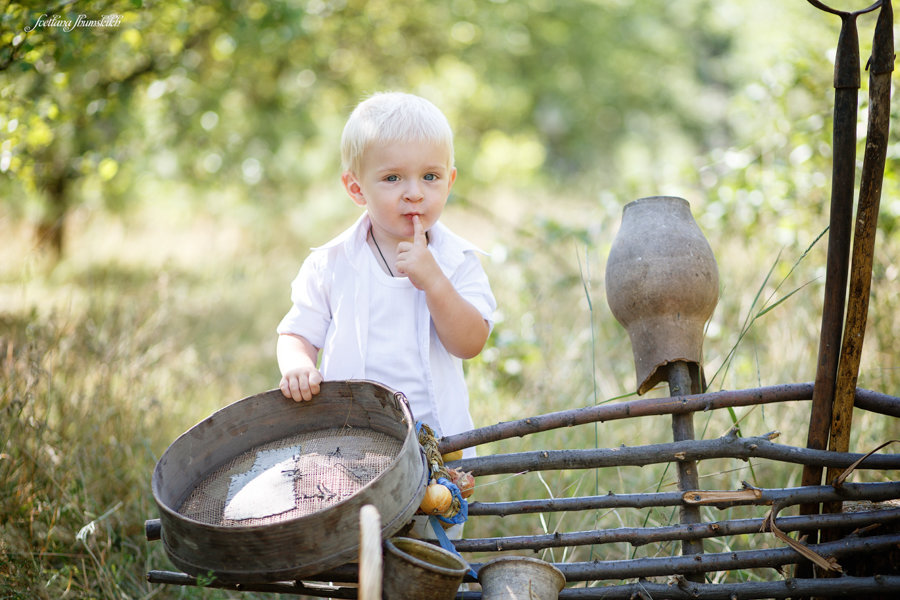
393, 117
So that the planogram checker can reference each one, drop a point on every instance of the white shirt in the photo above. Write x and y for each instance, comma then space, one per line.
332, 297
392, 350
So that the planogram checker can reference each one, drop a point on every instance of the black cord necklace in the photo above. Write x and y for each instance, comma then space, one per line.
374, 241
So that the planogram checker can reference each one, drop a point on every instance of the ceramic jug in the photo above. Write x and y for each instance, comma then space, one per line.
662, 285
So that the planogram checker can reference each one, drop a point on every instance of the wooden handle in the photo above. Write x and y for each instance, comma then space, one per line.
369, 553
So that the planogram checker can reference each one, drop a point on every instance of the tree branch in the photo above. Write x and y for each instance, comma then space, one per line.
638, 536
875, 492
727, 446
723, 561
865, 399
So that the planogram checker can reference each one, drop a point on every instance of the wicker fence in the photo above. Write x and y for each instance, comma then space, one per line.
845, 561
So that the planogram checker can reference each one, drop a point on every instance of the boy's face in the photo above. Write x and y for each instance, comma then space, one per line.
399, 180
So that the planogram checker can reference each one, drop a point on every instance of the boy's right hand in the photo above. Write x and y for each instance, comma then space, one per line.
301, 383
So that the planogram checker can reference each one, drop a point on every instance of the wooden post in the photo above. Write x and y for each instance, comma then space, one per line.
846, 101
679, 377
881, 65
846, 84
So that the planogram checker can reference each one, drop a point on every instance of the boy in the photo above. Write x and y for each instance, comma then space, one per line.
397, 298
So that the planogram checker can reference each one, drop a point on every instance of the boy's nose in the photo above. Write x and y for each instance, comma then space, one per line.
413, 193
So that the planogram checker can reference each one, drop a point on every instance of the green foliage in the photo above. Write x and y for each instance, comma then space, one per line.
69, 80
244, 100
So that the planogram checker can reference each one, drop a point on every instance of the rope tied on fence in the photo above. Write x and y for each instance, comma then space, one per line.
458, 511
432, 454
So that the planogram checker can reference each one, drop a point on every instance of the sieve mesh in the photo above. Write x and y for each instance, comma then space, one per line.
332, 465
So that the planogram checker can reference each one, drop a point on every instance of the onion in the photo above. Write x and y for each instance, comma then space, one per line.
464, 480
437, 499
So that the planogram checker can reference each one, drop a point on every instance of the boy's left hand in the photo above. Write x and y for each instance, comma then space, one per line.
415, 260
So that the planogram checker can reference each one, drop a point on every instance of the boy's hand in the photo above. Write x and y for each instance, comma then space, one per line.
301, 383
415, 260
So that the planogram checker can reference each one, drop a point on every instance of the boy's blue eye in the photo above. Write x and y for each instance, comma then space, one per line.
430, 177
392, 178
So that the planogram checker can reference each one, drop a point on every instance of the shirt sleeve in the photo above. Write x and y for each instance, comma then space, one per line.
472, 283
310, 313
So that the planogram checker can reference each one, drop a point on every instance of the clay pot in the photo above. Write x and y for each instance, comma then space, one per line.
662, 284
417, 569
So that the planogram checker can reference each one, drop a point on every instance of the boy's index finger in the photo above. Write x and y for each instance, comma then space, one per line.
419, 231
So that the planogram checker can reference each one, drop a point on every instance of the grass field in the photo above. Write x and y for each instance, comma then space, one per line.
155, 319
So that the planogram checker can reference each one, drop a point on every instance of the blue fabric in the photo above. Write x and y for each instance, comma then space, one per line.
445, 542
463, 513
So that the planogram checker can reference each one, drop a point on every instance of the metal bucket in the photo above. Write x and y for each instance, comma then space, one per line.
520, 578
353, 444
414, 569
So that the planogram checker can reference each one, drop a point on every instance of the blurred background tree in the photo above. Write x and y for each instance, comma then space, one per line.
69, 88
241, 102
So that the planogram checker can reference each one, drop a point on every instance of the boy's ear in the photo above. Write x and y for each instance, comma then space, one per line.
354, 189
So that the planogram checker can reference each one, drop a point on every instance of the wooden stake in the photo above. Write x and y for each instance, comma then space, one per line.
846, 84
881, 65
679, 377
